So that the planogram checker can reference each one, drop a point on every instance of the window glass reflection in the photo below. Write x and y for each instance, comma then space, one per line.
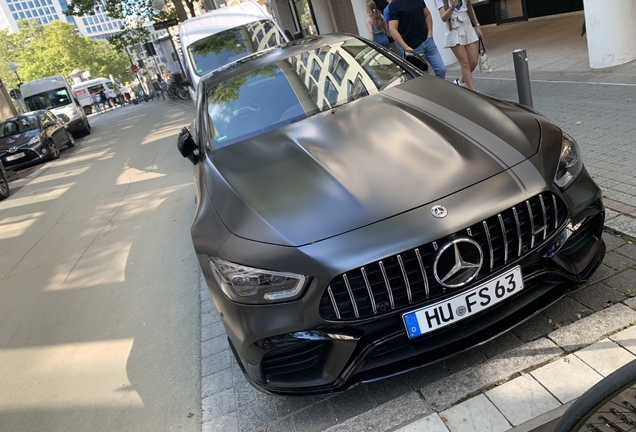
278, 94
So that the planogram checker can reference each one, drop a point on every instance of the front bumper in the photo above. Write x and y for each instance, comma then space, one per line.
77, 125
292, 349
32, 156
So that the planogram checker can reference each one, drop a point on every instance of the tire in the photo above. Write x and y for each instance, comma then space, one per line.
71, 141
54, 150
87, 128
183, 93
4, 186
604, 404
88, 109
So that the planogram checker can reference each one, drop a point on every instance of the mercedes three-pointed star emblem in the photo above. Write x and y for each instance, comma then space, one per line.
458, 263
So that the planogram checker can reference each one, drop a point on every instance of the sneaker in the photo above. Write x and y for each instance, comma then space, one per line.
460, 83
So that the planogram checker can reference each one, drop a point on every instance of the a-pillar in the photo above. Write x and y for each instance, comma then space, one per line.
611, 33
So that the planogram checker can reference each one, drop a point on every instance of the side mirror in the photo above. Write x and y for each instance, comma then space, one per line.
187, 147
416, 60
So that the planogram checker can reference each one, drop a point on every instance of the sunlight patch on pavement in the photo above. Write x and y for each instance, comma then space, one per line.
57, 176
133, 175
35, 199
91, 375
11, 227
168, 132
81, 158
99, 265
135, 206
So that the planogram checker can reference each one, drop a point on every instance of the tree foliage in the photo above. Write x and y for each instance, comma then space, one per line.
134, 13
56, 48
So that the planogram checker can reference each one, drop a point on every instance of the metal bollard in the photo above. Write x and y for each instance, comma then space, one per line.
520, 58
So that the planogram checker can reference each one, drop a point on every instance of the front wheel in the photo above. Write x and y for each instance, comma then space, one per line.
4, 186
183, 93
71, 141
54, 149
88, 109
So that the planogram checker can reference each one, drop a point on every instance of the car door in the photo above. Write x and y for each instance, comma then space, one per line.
58, 132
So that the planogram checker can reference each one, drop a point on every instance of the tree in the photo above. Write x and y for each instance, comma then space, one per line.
56, 48
135, 13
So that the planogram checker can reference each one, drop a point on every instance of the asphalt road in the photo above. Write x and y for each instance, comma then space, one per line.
99, 286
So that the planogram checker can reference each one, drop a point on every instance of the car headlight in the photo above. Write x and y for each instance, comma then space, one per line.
570, 163
254, 286
34, 141
64, 117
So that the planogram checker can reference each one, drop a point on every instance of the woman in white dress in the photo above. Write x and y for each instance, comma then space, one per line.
461, 37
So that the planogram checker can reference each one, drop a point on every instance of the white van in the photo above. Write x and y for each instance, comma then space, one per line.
224, 35
55, 94
84, 89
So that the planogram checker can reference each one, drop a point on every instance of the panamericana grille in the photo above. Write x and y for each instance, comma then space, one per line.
407, 279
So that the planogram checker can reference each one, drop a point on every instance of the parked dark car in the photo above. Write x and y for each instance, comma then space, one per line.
31, 138
4, 183
357, 218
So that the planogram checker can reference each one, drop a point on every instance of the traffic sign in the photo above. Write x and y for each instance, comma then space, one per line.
134, 68
165, 24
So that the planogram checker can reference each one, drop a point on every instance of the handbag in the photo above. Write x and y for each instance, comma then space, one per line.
484, 62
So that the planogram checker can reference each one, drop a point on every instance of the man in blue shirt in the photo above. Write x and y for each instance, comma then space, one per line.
411, 27
385, 12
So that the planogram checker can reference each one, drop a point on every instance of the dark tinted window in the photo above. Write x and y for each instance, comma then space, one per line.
18, 125
225, 47
48, 99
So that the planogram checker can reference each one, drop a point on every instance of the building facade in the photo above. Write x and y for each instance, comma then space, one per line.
96, 26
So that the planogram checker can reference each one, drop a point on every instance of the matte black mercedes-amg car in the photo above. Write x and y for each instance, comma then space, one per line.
357, 217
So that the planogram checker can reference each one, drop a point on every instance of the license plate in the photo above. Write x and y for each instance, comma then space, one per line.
463, 305
14, 157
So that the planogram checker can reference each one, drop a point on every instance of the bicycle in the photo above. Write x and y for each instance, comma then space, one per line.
178, 91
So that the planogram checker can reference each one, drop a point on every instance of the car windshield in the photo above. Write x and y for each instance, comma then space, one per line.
18, 125
289, 90
48, 99
222, 48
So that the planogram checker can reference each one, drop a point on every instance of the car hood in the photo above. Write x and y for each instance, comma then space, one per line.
17, 140
366, 161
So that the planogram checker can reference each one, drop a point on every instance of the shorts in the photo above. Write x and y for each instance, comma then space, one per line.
462, 32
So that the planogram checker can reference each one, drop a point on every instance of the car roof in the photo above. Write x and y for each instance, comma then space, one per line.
219, 20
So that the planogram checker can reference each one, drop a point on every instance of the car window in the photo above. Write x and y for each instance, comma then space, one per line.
109, 85
225, 47
48, 99
289, 90
18, 125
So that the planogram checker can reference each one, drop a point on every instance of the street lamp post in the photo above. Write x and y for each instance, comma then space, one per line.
13, 67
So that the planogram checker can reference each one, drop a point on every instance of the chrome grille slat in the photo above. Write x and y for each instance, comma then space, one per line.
419, 261
545, 218
505, 237
406, 279
492, 252
353, 299
360, 293
388, 285
514, 211
333, 302
371, 296
531, 224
